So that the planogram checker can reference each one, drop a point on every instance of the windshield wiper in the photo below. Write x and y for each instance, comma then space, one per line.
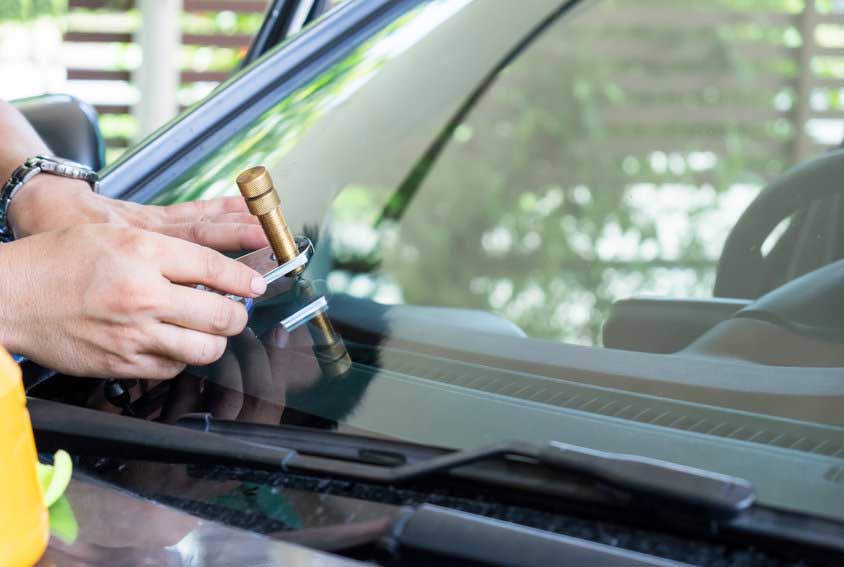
387, 462
715, 495
433, 531
552, 483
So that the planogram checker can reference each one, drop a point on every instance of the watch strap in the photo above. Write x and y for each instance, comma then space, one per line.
20, 176
32, 167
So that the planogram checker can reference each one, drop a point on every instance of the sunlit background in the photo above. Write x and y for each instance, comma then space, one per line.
97, 51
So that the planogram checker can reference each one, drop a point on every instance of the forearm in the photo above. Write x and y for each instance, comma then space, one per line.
13, 257
19, 140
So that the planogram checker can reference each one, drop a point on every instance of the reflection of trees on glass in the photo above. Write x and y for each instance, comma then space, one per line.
272, 135
610, 159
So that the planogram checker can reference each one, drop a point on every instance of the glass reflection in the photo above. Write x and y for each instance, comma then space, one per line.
272, 136
290, 350
109, 533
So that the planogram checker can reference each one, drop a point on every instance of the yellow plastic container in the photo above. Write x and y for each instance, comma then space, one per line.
24, 527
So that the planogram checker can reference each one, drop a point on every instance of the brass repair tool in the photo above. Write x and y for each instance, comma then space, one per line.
257, 188
330, 351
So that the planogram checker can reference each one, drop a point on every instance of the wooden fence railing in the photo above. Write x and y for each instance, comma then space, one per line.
796, 70
770, 69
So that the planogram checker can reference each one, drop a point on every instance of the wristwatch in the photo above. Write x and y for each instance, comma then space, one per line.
32, 167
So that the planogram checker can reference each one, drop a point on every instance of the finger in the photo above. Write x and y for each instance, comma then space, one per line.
186, 345
162, 368
197, 210
222, 236
149, 367
223, 395
281, 338
300, 337
203, 311
244, 218
182, 398
294, 367
189, 263
263, 400
263, 410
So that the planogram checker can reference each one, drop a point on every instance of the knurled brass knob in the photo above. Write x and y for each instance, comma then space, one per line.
254, 182
257, 187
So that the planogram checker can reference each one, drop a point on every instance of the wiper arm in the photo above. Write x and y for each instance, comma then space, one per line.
428, 529
81, 430
388, 462
84, 431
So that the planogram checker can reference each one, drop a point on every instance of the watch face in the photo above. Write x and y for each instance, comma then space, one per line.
63, 161
64, 168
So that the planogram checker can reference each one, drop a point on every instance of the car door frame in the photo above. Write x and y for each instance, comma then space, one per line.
169, 152
283, 19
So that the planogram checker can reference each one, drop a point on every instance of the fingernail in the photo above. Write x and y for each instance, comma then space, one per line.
259, 286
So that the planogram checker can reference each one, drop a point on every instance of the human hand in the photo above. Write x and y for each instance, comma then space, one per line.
49, 202
109, 304
250, 381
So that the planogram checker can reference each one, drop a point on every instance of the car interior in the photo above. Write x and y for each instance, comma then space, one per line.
68, 125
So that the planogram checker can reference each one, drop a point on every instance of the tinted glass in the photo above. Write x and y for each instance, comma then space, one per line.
462, 241
611, 159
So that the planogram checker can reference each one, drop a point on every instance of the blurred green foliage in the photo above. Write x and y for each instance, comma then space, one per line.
272, 135
225, 22
119, 125
206, 58
609, 160
29, 9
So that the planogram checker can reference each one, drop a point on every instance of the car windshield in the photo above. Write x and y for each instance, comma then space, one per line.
546, 233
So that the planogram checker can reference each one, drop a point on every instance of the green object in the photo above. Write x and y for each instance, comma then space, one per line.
11, 9
249, 496
55, 478
62, 521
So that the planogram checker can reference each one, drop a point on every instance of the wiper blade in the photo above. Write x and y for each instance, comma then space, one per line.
724, 495
84, 431
57, 425
720, 496
88, 432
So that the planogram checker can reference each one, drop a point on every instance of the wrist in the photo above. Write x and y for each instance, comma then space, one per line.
13, 257
40, 199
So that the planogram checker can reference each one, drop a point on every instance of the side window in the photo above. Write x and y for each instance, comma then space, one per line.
610, 159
